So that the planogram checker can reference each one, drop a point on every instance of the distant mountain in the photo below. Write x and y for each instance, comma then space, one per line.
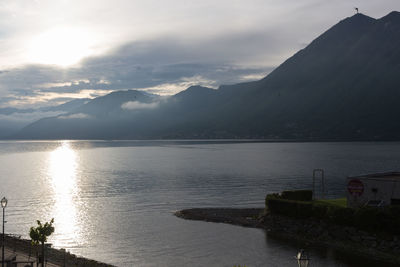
105, 117
13, 119
68, 106
112, 104
345, 85
9, 110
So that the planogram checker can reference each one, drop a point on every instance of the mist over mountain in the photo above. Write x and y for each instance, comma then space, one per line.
345, 85
69, 106
14, 119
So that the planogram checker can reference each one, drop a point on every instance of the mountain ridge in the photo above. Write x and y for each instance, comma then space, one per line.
344, 85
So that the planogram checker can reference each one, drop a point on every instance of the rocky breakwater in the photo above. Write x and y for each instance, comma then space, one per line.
382, 247
244, 217
293, 215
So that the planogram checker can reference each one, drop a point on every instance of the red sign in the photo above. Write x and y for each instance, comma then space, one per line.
355, 187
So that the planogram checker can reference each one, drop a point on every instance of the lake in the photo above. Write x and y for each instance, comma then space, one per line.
113, 201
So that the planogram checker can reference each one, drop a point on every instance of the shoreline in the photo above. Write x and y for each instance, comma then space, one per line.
59, 257
216, 140
385, 249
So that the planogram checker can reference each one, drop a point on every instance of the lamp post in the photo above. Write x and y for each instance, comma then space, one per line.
3, 205
302, 259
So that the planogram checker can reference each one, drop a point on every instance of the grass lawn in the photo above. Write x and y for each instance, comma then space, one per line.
342, 202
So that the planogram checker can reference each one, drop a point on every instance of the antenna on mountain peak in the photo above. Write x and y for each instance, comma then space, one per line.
356, 8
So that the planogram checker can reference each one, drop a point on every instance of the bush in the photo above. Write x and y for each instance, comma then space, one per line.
304, 209
271, 196
291, 208
340, 215
319, 211
391, 218
378, 219
385, 220
364, 217
302, 195
280, 206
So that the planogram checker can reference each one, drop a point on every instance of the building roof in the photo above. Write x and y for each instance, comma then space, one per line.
382, 175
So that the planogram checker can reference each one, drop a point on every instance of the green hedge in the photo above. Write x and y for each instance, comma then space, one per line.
370, 219
302, 195
291, 208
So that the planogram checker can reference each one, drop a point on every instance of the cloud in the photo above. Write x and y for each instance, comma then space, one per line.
180, 85
74, 116
252, 77
46, 98
135, 105
21, 119
108, 24
165, 66
67, 84
157, 49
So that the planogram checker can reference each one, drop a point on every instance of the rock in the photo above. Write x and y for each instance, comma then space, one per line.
368, 238
355, 238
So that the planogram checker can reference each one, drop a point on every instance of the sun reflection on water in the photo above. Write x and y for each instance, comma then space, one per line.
62, 170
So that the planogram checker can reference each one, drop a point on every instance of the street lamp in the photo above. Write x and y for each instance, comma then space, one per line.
302, 259
3, 205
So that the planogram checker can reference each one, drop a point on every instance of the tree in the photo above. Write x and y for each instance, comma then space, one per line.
40, 233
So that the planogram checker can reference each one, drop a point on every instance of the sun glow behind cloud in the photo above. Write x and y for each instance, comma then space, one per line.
61, 46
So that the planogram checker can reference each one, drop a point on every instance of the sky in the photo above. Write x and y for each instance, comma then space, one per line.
53, 51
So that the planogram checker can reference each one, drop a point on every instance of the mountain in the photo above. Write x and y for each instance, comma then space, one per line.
345, 85
68, 106
112, 103
14, 119
105, 117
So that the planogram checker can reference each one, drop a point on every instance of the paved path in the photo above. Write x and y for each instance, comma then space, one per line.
23, 257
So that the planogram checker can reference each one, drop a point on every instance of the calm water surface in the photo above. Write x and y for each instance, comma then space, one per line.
113, 201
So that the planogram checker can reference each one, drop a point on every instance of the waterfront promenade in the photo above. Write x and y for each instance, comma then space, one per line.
55, 257
23, 258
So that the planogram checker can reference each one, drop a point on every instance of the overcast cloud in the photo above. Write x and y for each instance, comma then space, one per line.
53, 51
